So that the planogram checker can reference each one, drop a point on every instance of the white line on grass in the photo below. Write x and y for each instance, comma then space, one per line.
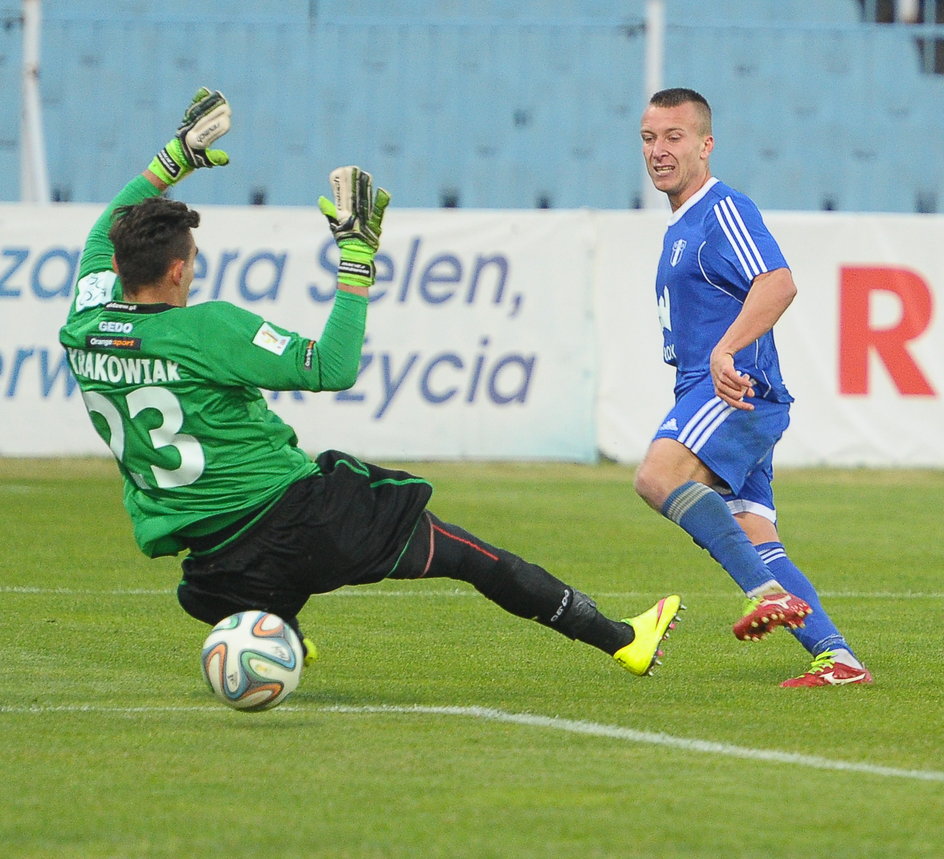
555, 723
354, 591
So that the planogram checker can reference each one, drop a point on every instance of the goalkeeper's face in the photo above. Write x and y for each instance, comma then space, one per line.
676, 144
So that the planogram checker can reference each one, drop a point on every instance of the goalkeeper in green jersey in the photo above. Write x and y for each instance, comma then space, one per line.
209, 470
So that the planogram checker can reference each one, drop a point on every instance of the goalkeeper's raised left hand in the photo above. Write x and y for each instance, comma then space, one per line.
355, 216
206, 119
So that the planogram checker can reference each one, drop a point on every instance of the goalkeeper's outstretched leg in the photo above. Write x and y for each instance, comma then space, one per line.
439, 549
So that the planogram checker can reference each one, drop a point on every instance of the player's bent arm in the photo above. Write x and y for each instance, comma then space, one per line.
355, 215
236, 347
339, 349
769, 296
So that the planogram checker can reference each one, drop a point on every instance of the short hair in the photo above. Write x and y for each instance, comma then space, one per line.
680, 95
148, 237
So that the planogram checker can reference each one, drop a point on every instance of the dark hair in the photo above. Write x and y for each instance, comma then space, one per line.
680, 95
148, 237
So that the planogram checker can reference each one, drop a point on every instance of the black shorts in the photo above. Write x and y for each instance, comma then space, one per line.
348, 525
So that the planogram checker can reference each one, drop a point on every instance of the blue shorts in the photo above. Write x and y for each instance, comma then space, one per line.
737, 445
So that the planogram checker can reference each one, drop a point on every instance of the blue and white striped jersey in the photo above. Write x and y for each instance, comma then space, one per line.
715, 245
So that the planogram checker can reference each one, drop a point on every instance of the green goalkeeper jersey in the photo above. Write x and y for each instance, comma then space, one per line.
175, 393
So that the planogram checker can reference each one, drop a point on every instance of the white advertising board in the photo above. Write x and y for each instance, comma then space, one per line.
861, 347
479, 344
516, 335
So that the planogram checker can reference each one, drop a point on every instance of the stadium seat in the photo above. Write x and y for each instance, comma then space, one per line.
480, 105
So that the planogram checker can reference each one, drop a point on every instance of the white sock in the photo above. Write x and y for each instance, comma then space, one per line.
769, 587
846, 658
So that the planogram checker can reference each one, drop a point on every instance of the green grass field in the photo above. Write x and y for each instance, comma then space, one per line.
436, 725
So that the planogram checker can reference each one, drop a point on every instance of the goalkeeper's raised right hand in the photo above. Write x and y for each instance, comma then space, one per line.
355, 216
206, 119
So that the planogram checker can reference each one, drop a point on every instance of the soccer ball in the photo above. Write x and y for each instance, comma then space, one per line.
252, 660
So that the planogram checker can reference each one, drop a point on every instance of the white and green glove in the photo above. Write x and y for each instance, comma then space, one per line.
206, 119
355, 216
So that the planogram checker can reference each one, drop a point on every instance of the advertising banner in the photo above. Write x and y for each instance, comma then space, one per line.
479, 344
861, 347
516, 335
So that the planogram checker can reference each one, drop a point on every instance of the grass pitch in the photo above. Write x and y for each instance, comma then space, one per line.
436, 725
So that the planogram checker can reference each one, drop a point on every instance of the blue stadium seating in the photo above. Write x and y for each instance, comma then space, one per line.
486, 104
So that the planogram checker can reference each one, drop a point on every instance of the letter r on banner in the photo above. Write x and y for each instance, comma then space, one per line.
857, 337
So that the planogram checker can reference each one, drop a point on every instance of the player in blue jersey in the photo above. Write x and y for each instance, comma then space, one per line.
722, 283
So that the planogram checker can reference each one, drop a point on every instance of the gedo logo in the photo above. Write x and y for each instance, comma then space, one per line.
116, 327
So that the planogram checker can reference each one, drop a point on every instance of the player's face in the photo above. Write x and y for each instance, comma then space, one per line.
676, 149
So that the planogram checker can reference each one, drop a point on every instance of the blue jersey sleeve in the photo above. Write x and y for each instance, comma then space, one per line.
739, 245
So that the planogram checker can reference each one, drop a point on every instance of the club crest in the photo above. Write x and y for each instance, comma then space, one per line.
677, 250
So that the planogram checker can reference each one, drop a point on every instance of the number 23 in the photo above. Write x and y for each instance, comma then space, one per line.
192, 459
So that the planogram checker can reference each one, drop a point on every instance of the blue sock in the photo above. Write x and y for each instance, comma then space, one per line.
702, 513
819, 632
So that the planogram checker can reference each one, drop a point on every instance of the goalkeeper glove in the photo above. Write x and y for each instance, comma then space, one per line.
205, 120
355, 216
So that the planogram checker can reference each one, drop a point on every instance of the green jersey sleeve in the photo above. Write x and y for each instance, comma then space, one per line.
97, 283
237, 347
